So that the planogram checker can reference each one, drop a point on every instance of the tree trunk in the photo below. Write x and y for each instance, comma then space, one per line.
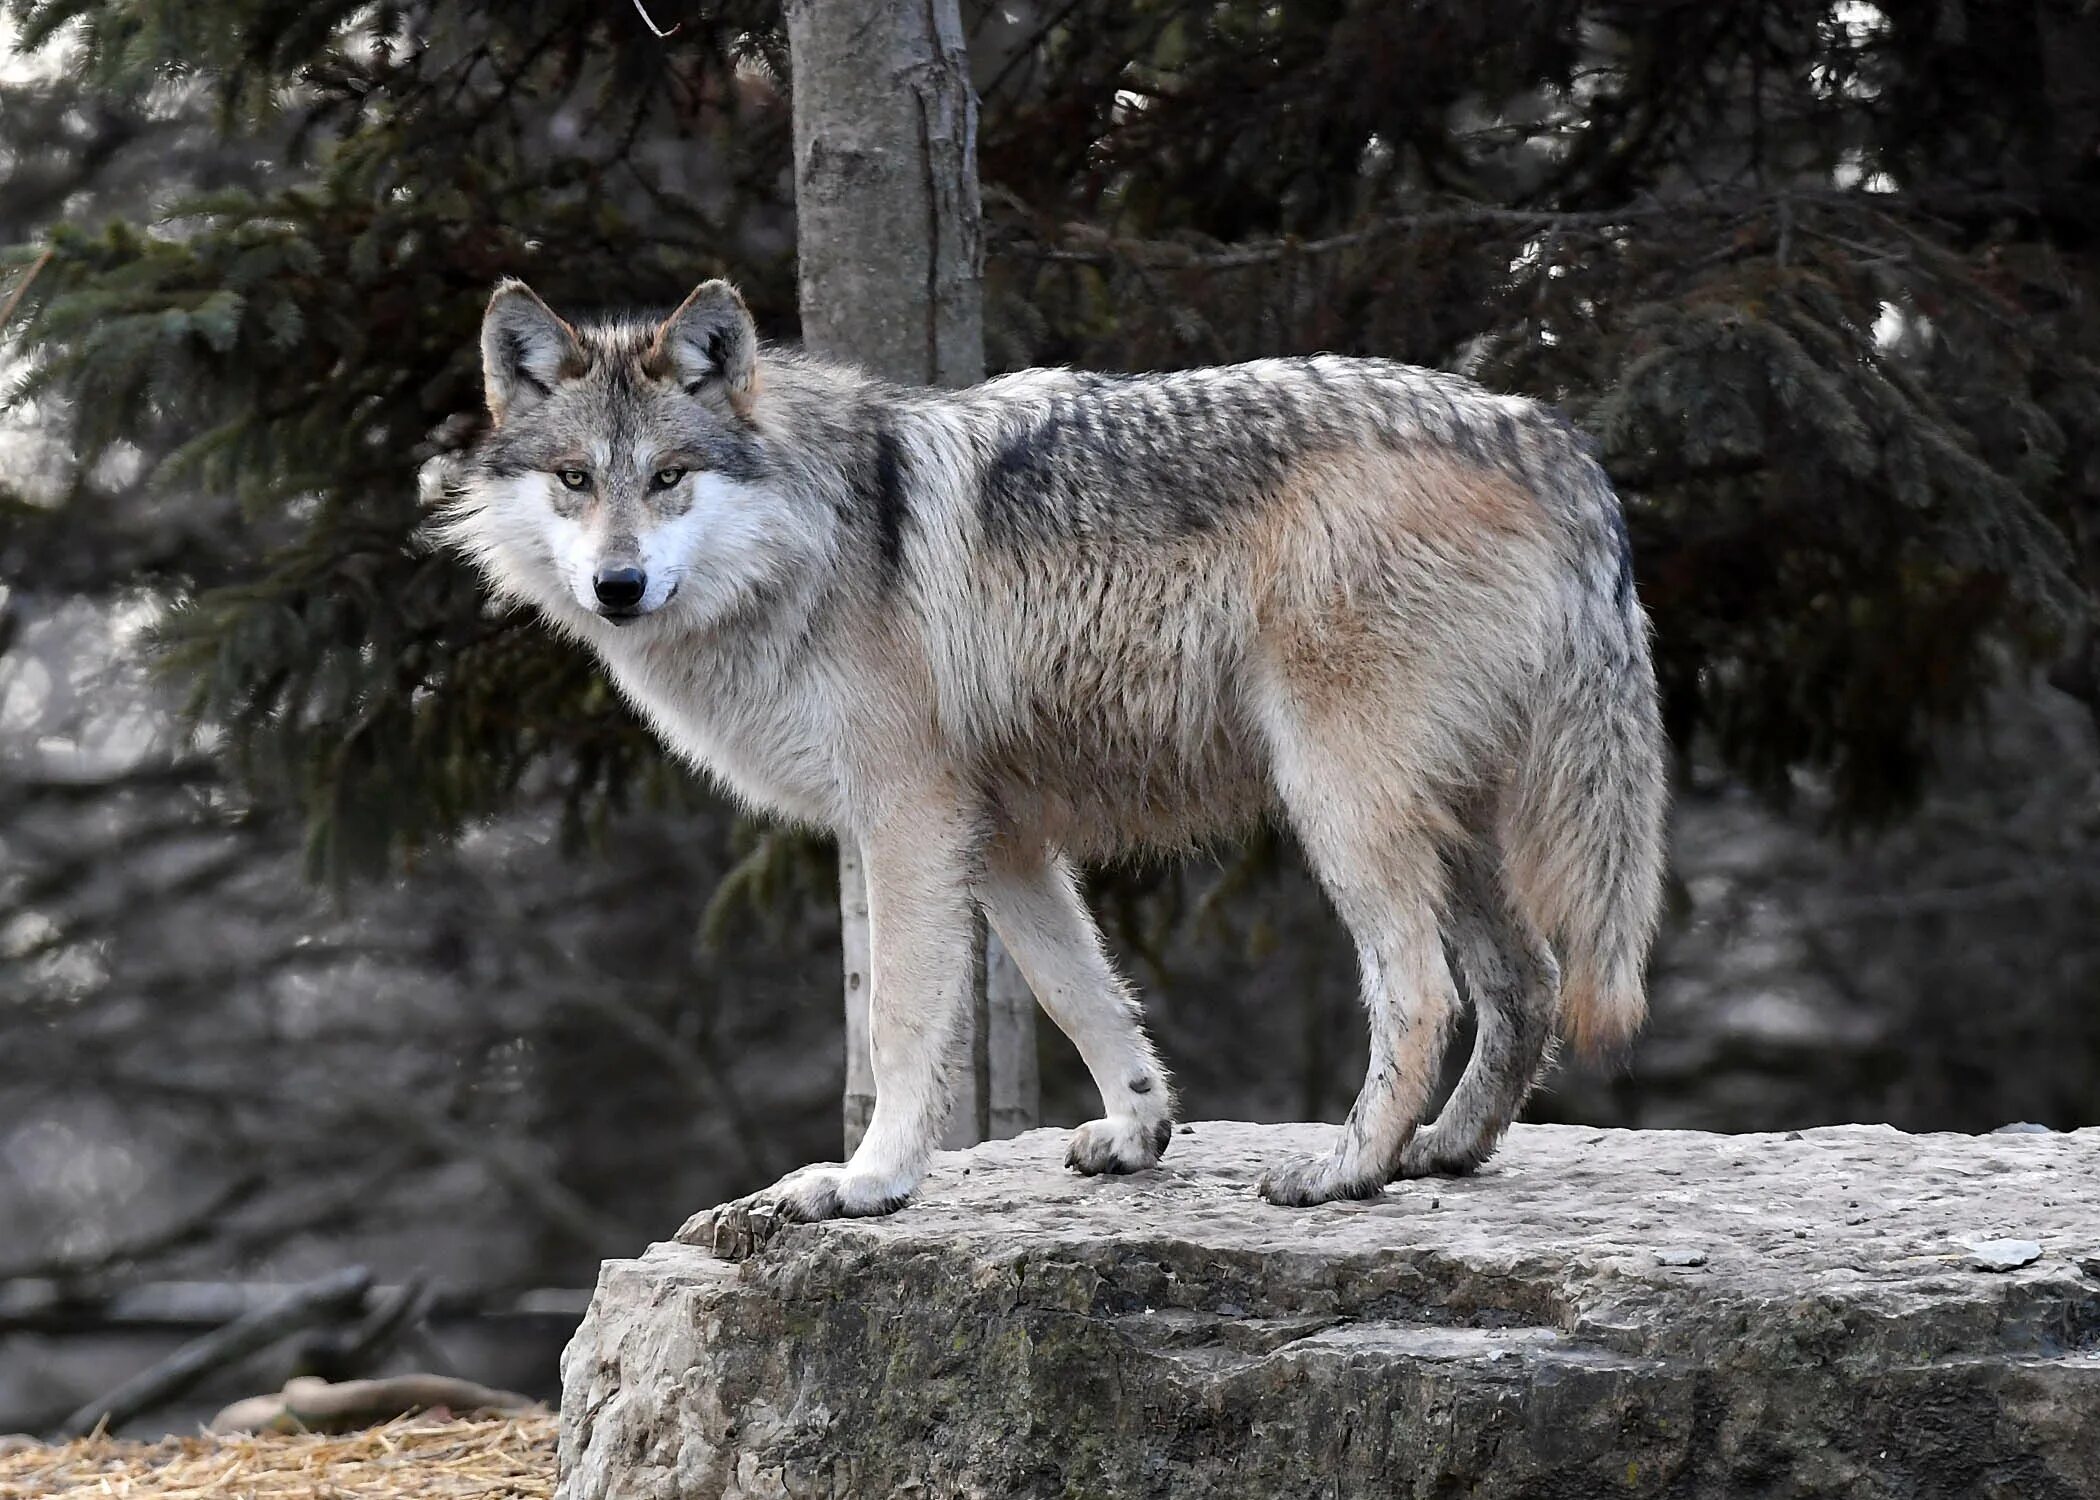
890, 254
853, 941
1013, 1091
888, 235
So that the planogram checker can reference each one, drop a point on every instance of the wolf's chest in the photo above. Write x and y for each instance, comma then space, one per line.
758, 732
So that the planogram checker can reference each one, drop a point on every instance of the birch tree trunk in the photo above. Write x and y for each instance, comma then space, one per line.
1013, 1090
853, 943
890, 258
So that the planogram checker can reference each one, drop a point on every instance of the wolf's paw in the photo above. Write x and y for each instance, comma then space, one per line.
1303, 1181
826, 1191
1122, 1143
1430, 1155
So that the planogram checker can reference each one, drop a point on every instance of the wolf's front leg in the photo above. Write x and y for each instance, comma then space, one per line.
920, 929
1033, 900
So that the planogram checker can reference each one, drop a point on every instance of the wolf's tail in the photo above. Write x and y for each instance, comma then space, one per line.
1582, 824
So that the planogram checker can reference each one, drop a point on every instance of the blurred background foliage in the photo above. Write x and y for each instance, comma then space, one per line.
1818, 277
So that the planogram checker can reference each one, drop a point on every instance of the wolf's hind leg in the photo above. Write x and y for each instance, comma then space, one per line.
1374, 847
1514, 984
1034, 903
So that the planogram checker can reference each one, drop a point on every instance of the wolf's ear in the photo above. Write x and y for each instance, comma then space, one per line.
710, 337
525, 350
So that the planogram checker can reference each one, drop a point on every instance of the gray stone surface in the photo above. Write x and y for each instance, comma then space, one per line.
1596, 1313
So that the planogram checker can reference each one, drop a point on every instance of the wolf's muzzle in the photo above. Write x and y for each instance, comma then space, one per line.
619, 590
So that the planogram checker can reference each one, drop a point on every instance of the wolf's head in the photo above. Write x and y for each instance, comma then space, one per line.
626, 475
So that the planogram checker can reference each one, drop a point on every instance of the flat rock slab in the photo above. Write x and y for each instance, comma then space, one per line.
1597, 1312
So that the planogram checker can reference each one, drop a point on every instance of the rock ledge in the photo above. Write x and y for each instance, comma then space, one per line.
1598, 1312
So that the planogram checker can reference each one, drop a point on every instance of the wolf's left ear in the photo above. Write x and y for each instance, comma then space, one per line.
525, 350
710, 337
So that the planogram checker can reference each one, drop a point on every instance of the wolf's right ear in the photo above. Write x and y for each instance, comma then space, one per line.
525, 350
710, 337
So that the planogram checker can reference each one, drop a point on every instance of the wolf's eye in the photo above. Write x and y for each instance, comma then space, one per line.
664, 479
574, 479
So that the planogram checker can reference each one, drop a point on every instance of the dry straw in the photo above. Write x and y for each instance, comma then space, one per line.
415, 1458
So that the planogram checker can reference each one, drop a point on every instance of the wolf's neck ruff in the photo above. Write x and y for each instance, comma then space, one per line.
1060, 616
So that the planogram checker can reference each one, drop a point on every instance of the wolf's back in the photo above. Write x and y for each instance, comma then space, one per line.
1583, 825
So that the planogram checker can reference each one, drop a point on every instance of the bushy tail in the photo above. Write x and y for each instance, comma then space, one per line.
1582, 823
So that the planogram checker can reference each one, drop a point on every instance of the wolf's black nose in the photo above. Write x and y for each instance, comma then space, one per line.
620, 588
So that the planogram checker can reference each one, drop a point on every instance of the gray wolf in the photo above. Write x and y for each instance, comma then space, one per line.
994, 633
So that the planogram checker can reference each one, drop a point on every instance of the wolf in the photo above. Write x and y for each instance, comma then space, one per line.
1059, 617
